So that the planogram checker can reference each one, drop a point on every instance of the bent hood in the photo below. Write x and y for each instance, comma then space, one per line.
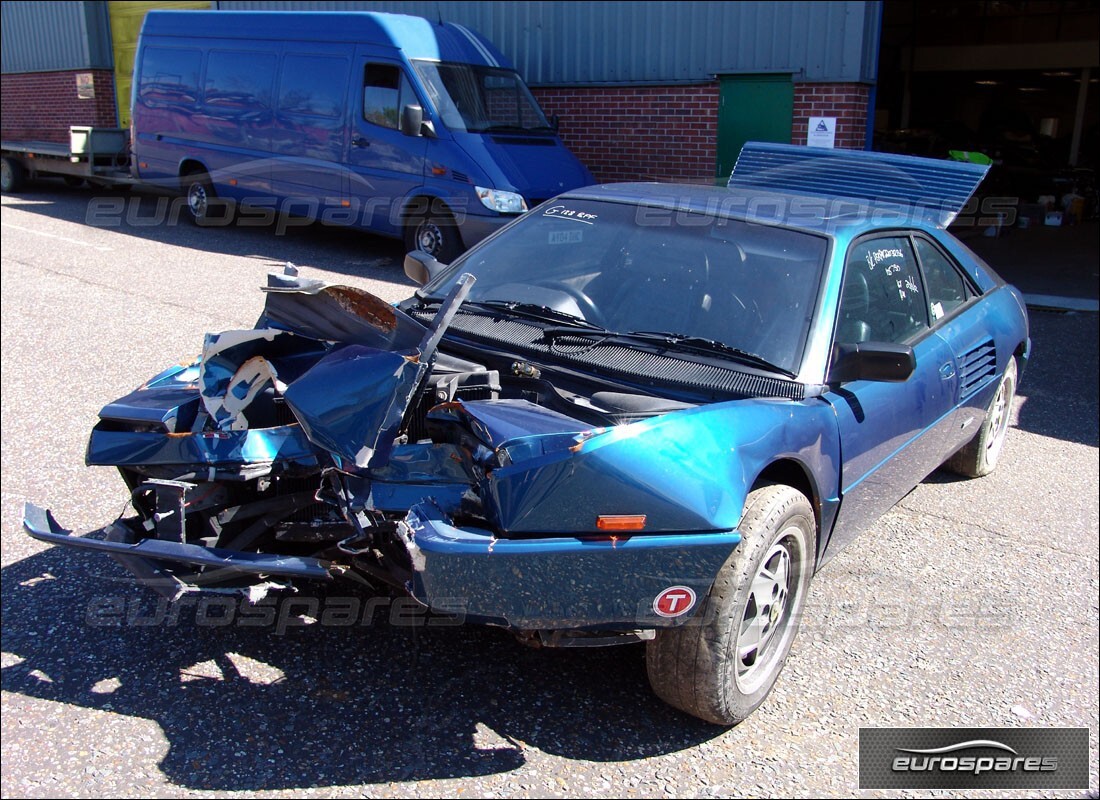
345, 363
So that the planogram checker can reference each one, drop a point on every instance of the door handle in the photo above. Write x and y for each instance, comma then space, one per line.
359, 141
947, 371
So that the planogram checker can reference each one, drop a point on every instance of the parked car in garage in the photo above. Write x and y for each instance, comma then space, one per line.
639, 412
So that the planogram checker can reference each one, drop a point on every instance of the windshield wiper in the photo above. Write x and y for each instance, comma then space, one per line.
678, 341
536, 312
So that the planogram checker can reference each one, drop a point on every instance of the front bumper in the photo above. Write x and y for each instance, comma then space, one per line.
475, 227
40, 524
559, 583
546, 584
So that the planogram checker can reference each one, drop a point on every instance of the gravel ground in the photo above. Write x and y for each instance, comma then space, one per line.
972, 603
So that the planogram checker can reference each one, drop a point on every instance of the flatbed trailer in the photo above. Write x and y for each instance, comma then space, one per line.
100, 156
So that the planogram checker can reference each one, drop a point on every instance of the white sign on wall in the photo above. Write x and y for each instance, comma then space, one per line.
821, 132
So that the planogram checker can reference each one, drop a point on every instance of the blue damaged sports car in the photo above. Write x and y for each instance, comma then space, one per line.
640, 412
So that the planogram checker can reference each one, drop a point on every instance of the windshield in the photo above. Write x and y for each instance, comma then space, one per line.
474, 98
632, 268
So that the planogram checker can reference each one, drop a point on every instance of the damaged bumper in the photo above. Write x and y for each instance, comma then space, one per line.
559, 583
40, 524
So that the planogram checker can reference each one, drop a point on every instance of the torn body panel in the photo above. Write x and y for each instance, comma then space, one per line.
282, 452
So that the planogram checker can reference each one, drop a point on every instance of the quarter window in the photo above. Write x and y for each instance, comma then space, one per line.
946, 287
882, 298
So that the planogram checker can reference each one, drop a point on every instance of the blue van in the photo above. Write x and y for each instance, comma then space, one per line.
391, 123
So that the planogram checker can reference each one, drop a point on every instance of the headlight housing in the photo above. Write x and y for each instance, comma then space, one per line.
504, 202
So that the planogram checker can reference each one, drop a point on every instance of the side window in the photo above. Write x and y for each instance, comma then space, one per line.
881, 299
313, 85
385, 91
169, 76
239, 82
946, 287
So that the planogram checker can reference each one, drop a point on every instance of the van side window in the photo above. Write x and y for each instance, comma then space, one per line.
169, 76
882, 298
946, 287
313, 85
239, 81
385, 91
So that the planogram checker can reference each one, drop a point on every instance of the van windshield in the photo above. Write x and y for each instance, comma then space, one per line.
477, 99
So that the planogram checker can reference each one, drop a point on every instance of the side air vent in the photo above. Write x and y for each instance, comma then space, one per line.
976, 367
536, 141
461, 177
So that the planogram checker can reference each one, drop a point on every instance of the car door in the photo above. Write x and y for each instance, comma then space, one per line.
892, 434
385, 163
962, 322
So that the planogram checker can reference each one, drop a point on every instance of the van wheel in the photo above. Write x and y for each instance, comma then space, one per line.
436, 233
721, 664
73, 181
13, 178
203, 204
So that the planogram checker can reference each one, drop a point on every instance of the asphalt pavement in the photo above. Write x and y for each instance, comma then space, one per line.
973, 603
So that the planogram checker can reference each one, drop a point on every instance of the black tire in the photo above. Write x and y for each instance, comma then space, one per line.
204, 207
13, 178
980, 455
73, 181
718, 666
435, 232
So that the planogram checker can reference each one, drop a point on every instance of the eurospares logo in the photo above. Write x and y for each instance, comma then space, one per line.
973, 758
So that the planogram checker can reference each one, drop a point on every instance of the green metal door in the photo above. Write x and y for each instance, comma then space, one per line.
756, 108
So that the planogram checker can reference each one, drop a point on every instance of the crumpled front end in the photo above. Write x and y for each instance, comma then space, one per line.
335, 440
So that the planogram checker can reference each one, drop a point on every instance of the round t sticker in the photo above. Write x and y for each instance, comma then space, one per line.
674, 601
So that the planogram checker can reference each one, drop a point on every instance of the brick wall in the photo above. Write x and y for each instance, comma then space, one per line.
670, 133
845, 101
647, 133
41, 106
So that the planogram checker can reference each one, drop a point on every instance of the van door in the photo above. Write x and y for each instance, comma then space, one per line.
385, 163
310, 134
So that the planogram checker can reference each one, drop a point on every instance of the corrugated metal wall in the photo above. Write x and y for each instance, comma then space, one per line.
552, 43
655, 42
47, 36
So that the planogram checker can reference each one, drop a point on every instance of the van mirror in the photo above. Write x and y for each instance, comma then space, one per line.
555, 123
421, 267
412, 118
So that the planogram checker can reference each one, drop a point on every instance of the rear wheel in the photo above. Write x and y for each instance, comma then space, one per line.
204, 206
980, 456
73, 181
721, 664
13, 178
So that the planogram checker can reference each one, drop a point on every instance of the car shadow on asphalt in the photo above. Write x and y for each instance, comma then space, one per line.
1058, 394
161, 217
287, 705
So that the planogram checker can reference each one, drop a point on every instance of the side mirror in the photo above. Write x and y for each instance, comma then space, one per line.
421, 267
872, 361
412, 118
555, 122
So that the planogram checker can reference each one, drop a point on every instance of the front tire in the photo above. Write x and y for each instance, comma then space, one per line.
980, 455
435, 232
721, 664
13, 177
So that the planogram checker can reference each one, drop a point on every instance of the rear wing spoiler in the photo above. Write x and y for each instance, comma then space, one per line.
925, 186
